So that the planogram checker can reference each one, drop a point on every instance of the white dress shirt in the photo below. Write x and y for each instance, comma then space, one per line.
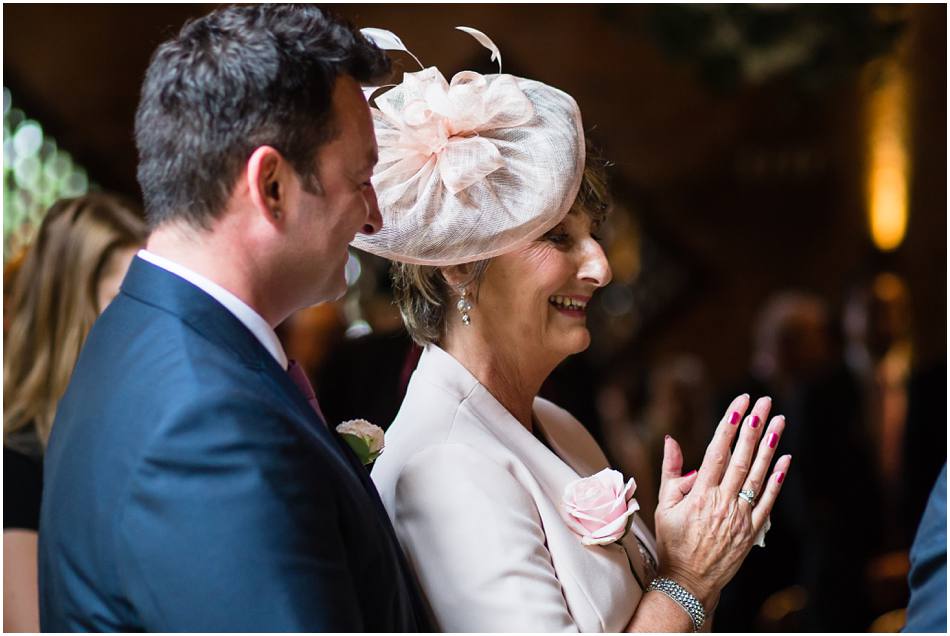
248, 317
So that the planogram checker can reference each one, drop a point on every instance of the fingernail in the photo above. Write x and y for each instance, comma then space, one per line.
690, 473
773, 440
734, 418
755, 421
780, 478
666, 437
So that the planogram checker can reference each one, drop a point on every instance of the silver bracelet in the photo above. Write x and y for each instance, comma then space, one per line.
683, 598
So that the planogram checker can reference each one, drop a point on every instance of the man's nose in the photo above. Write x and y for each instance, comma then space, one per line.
374, 219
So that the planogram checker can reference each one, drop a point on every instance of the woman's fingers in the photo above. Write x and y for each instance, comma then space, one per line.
763, 459
762, 509
673, 487
742, 456
717, 453
672, 460
669, 473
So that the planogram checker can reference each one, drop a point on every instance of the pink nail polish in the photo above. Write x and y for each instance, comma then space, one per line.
666, 437
773, 440
755, 421
734, 418
780, 478
690, 473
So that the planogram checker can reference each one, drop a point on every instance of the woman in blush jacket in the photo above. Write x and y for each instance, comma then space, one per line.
504, 503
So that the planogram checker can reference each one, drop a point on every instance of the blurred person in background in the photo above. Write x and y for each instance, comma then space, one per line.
310, 335
898, 443
863, 417
375, 342
677, 404
10, 270
791, 349
904, 403
791, 344
68, 277
879, 354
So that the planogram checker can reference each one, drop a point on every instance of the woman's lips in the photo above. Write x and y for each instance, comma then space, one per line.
570, 305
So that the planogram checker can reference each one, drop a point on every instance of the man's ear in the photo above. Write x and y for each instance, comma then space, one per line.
265, 169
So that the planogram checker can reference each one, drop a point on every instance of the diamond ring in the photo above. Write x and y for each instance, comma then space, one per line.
747, 495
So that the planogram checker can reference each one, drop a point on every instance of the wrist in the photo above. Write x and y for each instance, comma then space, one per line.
704, 593
690, 605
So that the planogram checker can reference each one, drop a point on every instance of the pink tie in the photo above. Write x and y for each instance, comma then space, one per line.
299, 376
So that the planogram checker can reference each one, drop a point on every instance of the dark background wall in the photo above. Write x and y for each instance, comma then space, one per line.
742, 191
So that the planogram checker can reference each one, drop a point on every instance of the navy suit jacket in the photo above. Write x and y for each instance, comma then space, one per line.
927, 610
190, 486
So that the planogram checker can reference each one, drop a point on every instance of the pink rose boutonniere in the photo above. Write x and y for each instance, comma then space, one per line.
599, 508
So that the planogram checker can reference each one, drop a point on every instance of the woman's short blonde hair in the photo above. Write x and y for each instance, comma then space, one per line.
424, 296
55, 303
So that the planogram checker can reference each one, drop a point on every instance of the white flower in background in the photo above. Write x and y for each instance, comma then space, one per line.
367, 440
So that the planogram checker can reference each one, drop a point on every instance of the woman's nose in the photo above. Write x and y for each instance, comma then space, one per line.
595, 268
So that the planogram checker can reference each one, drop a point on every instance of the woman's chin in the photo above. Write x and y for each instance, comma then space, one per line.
575, 342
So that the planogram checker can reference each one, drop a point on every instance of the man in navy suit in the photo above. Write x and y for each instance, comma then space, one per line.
927, 610
191, 484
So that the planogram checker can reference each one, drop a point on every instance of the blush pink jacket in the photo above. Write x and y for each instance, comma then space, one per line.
476, 502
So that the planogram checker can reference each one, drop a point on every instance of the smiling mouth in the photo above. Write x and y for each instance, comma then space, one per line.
569, 305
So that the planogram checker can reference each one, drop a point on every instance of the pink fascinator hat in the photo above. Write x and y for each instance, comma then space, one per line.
471, 168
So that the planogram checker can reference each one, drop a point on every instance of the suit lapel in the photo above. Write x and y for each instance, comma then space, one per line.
200, 311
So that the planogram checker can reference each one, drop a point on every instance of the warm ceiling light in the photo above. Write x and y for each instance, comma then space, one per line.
888, 161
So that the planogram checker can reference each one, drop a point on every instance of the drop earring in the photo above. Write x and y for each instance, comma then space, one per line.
464, 306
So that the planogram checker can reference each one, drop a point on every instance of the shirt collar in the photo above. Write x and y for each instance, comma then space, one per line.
241, 310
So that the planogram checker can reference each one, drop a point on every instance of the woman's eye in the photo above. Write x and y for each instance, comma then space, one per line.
558, 238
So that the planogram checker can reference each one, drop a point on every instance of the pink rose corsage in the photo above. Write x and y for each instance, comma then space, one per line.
599, 508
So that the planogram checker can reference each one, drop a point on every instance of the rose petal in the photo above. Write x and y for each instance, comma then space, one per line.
629, 489
588, 522
590, 540
586, 494
633, 505
574, 525
615, 528
597, 516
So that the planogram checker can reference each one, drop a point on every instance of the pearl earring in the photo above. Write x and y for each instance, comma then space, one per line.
464, 306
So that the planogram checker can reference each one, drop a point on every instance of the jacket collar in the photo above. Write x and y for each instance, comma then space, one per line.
155, 286
572, 454
168, 292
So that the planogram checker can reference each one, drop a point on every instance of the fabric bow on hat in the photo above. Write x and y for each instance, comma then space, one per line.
435, 126
469, 169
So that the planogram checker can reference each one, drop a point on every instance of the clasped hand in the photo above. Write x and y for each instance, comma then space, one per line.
704, 529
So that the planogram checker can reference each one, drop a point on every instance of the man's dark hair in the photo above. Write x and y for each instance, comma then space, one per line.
231, 81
